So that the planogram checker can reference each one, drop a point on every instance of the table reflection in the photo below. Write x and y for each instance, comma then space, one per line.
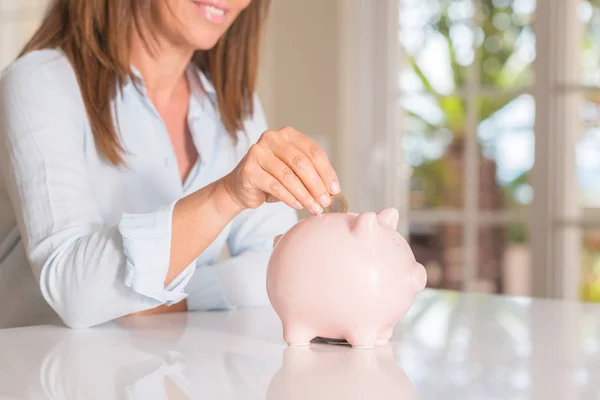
163, 358
324, 371
450, 346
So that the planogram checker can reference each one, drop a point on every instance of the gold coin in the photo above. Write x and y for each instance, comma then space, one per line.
338, 204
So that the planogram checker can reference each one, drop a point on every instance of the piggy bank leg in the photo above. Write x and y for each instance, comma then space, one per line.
297, 335
362, 340
384, 336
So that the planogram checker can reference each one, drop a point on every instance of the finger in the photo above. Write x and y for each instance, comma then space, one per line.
303, 168
319, 159
284, 174
273, 187
276, 240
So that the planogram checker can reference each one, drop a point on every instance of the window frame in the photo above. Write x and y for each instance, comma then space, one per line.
554, 219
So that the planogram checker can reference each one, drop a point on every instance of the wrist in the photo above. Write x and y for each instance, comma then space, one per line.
224, 202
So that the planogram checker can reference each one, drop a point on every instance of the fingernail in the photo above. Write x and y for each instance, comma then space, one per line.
325, 200
335, 187
317, 209
298, 206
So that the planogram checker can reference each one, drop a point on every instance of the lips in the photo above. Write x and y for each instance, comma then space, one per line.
213, 12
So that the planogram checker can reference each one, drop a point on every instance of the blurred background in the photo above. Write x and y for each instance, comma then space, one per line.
477, 119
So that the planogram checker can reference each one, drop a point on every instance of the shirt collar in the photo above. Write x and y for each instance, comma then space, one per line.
206, 83
200, 85
202, 109
203, 115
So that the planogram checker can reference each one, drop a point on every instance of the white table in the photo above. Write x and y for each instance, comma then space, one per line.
450, 346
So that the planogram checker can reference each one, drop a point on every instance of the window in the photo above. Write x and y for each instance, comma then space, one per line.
479, 120
467, 117
483, 92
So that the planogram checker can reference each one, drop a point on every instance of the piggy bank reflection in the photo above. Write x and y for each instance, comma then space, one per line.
343, 276
337, 372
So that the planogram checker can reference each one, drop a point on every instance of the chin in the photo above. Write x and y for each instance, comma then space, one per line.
204, 39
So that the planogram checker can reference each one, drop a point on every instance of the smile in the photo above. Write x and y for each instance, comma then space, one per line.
213, 12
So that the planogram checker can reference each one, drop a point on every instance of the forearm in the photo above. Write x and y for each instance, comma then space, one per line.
197, 220
240, 280
91, 267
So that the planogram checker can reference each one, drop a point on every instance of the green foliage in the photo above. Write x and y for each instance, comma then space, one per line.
436, 180
500, 28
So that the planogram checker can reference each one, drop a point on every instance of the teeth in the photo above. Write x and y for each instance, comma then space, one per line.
214, 10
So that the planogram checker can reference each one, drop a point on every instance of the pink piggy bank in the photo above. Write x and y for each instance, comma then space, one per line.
343, 276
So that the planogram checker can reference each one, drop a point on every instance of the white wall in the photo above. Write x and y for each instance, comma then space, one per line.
18, 20
300, 70
325, 71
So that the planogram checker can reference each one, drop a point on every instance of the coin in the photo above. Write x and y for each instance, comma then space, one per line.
338, 204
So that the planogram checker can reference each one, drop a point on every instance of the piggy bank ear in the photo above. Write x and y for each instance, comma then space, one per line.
389, 217
364, 225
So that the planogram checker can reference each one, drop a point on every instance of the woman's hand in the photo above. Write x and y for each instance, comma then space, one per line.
284, 165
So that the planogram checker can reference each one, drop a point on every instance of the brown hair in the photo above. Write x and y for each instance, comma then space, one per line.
91, 33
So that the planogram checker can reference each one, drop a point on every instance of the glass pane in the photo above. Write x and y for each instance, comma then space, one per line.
590, 268
506, 139
504, 264
439, 248
588, 12
505, 41
434, 128
437, 40
504, 257
587, 151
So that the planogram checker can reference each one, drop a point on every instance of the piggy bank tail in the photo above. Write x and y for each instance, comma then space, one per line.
418, 277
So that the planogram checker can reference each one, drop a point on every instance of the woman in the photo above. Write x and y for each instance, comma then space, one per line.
132, 148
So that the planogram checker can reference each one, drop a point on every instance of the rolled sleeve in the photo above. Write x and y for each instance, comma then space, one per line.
90, 271
147, 249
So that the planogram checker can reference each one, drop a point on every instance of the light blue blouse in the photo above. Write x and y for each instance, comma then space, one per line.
91, 240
